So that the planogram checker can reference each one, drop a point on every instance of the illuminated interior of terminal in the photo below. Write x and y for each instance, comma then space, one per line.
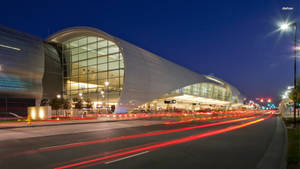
195, 97
94, 69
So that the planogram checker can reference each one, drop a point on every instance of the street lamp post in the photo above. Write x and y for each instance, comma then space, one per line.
283, 27
106, 100
295, 69
103, 99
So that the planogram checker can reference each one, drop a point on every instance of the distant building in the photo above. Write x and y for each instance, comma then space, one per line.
84, 62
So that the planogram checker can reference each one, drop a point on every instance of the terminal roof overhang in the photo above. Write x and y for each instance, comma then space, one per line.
147, 76
196, 99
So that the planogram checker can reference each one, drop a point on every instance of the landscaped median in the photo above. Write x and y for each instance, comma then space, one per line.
293, 154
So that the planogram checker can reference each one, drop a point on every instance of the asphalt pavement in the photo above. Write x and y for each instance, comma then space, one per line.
228, 143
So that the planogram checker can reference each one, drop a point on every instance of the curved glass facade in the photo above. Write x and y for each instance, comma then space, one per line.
89, 63
207, 90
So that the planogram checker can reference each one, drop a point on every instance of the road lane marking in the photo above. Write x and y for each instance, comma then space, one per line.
45, 148
127, 157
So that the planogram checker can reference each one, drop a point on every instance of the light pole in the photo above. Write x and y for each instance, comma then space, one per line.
58, 96
285, 27
103, 99
106, 100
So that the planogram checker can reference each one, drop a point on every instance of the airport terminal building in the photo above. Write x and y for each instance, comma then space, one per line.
85, 62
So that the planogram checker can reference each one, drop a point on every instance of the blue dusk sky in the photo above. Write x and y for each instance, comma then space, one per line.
234, 40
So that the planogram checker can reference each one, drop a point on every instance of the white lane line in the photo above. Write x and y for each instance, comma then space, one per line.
42, 148
126, 157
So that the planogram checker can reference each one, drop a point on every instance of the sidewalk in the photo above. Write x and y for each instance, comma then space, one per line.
274, 157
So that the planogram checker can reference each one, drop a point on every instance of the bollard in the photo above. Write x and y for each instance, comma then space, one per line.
28, 119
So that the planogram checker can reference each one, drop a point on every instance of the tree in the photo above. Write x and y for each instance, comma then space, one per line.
78, 103
295, 94
66, 104
88, 103
44, 102
56, 103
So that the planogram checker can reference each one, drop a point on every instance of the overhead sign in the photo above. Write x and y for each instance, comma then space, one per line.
170, 101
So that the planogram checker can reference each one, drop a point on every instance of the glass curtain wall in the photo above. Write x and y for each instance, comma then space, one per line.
90, 62
207, 90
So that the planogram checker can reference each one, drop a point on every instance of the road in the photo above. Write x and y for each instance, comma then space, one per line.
235, 143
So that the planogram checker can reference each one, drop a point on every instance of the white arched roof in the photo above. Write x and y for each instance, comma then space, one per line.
147, 76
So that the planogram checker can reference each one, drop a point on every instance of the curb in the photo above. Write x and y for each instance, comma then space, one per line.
275, 154
285, 146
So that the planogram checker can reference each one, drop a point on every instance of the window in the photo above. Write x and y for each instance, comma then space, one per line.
102, 67
82, 49
121, 72
114, 57
74, 51
92, 39
82, 63
102, 59
92, 69
91, 61
75, 72
113, 74
92, 54
102, 51
75, 65
102, 44
82, 70
102, 75
82, 56
114, 83
74, 58
92, 76
113, 49
92, 46
74, 44
113, 65
82, 41
121, 64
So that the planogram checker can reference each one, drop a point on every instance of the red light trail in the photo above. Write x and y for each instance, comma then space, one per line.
164, 144
105, 153
206, 118
66, 146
